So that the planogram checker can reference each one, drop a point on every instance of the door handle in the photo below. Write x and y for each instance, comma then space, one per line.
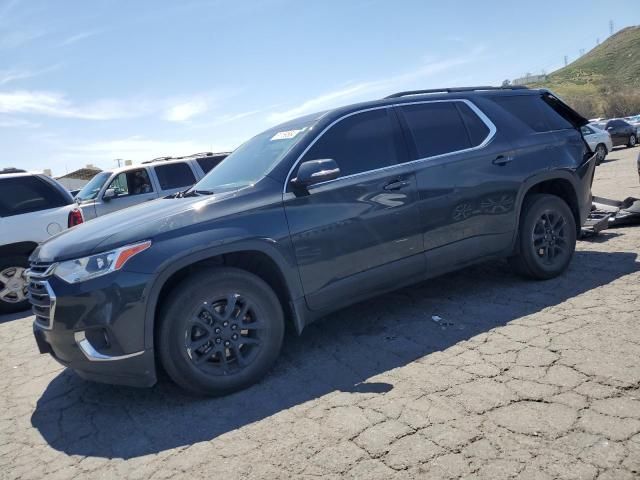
396, 185
502, 160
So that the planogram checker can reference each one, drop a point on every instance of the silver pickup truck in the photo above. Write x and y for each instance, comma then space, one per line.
124, 187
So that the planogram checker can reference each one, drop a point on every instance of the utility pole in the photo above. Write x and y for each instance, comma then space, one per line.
566, 60
610, 27
118, 160
581, 52
597, 41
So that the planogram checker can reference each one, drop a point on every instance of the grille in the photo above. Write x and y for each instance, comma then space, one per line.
41, 296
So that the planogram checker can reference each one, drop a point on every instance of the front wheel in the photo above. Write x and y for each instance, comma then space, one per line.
221, 330
546, 237
632, 141
13, 284
601, 153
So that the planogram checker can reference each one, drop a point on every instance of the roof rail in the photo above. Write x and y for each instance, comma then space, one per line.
185, 157
8, 170
454, 90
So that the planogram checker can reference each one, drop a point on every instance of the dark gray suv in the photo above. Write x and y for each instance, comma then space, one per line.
308, 217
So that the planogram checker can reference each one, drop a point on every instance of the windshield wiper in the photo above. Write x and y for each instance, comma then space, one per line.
192, 193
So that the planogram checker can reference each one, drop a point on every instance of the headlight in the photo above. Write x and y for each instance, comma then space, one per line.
81, 269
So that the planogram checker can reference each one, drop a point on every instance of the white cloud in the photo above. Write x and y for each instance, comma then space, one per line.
135, 148
364, 90
15, 74
183, 111
10, 122
78, 37
54, 104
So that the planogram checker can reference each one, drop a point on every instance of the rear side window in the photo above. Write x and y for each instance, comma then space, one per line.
527, 109
207, 163
359, 143
477, 129
559, 115
437, 128
174, 175
20, 195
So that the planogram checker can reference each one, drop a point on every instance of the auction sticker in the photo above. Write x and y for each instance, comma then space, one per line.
286, 134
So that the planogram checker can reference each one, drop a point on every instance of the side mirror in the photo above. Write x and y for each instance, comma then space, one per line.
316, 171
109, 194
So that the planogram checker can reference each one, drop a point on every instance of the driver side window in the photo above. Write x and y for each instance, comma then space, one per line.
134, 182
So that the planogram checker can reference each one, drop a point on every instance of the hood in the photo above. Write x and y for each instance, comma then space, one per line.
140, 222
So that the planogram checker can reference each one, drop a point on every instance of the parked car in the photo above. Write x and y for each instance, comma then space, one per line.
634, 121
622, 133
308, 217
112, 190
599, 141
33, 208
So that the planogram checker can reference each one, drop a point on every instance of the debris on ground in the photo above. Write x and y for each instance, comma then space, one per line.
606, 213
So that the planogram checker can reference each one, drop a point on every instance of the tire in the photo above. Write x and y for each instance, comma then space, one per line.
12, 295
601, 153
632, 141
544, 253
197, 328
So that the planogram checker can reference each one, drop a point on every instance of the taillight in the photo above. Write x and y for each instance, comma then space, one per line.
75, 217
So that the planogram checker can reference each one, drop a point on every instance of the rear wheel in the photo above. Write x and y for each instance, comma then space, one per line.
546, 237
221, 331
601, 153
13, 284
632, 141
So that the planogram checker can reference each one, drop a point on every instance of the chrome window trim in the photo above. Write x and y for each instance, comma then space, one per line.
93, 355
489, 124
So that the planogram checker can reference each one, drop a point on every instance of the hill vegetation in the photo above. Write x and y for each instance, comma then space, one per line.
605, 82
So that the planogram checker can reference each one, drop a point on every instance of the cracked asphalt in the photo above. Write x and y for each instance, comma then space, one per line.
518, 379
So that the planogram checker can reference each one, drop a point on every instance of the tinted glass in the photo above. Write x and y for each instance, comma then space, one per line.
559, 115
91, 189
174, 175
359, 143
134, 182
527, 109
587, 131
254, 159
28, 194
437, 128
477, 129
207, 163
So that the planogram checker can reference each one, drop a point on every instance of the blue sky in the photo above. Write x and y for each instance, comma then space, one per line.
91, 81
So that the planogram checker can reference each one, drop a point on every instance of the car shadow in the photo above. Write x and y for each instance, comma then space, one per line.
339, 353
10, 317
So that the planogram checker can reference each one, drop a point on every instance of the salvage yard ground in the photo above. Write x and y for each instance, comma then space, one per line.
516, 378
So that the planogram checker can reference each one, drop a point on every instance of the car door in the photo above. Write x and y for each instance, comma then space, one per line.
174, 177
466, 185
617, 131
131, 187
360, 232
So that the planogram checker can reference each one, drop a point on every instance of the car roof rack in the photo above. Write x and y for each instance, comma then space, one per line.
6, 171
455, 90
186, 157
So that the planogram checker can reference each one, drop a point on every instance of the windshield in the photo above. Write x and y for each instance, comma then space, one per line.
255, 158
91, 189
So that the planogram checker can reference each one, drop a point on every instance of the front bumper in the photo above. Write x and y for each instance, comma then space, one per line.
97, 328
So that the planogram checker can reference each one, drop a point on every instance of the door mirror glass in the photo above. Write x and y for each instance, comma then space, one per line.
316, 171
109, 194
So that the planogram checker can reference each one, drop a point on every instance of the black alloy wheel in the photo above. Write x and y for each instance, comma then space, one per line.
546, 237
221, 330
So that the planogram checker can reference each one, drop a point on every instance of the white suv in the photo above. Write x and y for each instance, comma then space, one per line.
33, 207
112, 190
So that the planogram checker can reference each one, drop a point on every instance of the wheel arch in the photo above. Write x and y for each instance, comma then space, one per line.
18, 248
558, 183
257, 257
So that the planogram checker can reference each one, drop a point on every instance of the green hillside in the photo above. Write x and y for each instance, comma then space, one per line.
606, 80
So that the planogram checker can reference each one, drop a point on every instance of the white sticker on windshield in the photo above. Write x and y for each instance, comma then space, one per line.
285, 135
